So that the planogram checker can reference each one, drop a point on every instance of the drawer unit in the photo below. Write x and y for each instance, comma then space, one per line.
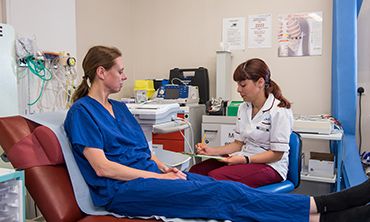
12, 195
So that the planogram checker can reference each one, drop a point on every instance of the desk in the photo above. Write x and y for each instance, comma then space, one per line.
336, 142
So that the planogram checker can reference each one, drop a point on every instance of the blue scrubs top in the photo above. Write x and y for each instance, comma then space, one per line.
89, 124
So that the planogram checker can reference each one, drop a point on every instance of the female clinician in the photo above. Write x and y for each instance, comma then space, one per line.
259, 154
125, 178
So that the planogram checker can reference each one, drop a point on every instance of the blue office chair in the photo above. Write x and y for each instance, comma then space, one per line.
294, 169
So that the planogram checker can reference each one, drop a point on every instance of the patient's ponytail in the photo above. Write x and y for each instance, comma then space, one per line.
81, 91
96, 56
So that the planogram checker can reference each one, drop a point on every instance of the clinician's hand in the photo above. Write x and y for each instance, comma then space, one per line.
232, 160
203, 149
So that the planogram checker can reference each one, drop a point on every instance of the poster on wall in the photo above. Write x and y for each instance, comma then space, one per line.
233, 34
259, 31
300, 34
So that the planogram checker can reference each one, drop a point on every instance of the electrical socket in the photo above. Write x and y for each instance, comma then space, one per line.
361, 90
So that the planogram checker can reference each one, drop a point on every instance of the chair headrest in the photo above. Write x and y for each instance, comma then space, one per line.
39, 148
13, 129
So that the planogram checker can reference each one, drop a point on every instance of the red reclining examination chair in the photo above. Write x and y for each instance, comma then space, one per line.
36, 150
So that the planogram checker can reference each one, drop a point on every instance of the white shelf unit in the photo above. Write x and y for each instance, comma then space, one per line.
336, 136
307, 177
12, 195
338, 152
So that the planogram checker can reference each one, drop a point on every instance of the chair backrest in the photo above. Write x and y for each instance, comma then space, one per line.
294, 168
36, 150
295, 161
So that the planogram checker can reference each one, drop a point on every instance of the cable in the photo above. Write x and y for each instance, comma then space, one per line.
359, 126
192, 140
180, 80
62, 84
191, 137
22, 73
186, 140
360, 91
187, 143
40, 94
57, 83
36, 67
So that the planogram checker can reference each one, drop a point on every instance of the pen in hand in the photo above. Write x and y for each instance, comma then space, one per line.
199, 146
204, 139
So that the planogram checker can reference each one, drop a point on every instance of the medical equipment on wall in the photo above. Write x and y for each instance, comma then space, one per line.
193, 77
8, 83
183, 94
46, 80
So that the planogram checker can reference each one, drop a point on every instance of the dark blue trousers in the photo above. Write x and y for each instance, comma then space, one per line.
203, 197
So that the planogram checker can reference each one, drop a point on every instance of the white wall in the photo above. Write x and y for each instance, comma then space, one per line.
51, 23
107, 23
364, 70
1, 12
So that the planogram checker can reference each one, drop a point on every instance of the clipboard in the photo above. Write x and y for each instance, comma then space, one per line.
205, 156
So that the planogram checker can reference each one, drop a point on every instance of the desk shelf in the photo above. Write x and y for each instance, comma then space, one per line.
308, 177
336, 136
336, 139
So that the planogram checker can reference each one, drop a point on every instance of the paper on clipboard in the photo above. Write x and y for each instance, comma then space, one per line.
205, 156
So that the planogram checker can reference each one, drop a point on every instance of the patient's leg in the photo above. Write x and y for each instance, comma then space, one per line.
203, 197
355, 196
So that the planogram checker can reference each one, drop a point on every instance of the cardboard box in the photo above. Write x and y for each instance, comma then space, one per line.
321, 164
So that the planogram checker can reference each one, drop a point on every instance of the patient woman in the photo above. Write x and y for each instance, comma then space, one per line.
125, 178
259, 154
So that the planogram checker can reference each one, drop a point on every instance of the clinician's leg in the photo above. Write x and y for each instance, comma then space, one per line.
206, 166
355, 196
202, 197
253, 175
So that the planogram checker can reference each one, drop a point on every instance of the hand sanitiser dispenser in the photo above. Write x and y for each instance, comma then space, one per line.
8, 83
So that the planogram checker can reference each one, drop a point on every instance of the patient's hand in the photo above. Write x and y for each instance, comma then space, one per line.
173, 173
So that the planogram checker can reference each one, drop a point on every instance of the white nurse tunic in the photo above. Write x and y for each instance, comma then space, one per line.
270, 129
